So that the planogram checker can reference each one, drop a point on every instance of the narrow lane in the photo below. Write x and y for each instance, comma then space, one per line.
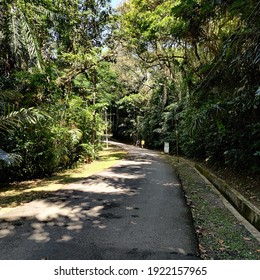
134, 210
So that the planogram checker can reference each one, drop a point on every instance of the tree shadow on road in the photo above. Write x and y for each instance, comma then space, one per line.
75, 221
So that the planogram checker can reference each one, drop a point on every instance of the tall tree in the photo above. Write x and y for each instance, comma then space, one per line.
205, 60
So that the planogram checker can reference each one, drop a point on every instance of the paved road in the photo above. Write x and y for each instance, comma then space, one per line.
134, 210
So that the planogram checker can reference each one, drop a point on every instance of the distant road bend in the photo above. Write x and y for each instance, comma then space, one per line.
134, 210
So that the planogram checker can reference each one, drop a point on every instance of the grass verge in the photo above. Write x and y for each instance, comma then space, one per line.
220, 235
22, 192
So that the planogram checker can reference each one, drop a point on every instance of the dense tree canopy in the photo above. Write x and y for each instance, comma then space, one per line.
53, 90
201, 60
185, 72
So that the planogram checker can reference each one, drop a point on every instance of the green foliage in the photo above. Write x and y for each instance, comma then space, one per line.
186, 72
54, 85
130, 108
203, 63
58, 141
9, 159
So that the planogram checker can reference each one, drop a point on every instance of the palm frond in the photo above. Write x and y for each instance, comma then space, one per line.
30, 42
9, 95
9, 159
22, 39
14, 32
14, 118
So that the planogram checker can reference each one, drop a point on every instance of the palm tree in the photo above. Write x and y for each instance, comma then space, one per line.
19, 50
18, 44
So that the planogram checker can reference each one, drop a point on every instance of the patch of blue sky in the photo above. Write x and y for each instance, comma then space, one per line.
115, 3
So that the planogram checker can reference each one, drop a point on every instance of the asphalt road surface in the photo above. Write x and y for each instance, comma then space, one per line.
134, 210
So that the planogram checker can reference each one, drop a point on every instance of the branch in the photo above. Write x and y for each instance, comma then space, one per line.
161, 58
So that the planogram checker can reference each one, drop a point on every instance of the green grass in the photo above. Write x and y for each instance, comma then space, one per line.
18, 193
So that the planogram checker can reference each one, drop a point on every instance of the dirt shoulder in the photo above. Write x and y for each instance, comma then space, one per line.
221, 236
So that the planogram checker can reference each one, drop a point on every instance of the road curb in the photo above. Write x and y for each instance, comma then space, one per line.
250, 212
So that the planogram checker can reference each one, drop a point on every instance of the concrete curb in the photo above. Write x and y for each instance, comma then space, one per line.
250, 212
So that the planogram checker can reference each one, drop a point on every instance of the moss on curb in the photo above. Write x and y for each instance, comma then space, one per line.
247, 209
220, 234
